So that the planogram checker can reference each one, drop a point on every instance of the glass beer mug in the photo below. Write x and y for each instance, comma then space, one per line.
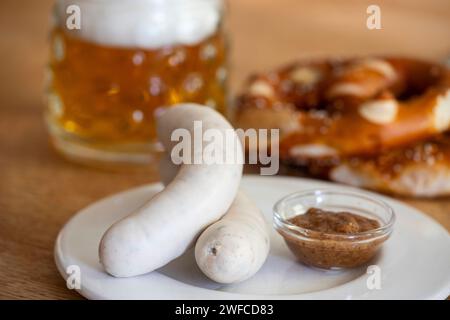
113, 68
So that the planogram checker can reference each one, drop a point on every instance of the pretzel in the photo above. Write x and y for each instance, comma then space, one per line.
332, 109
420, 170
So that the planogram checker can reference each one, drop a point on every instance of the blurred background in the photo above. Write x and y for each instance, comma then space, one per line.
39, 190
264, 34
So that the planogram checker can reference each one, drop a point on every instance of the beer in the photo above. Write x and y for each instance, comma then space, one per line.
110, 78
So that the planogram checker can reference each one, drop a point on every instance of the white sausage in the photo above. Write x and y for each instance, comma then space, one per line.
167, 169
234, 248
166, 226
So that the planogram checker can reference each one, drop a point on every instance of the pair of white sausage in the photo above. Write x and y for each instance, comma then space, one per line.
235, 247
199, 194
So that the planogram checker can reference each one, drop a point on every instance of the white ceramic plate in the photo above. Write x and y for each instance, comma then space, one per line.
414, 262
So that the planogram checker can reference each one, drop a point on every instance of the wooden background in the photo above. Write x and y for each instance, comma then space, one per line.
39, 191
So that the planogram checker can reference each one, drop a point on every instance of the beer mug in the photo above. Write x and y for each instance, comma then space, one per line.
115, 63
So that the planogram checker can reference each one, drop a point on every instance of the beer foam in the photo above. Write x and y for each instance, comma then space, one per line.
142, 23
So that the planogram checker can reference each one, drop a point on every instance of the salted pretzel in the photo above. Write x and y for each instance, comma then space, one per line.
420, 170
340, 108
376, 123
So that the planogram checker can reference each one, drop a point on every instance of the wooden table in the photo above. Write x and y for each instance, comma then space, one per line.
39, 191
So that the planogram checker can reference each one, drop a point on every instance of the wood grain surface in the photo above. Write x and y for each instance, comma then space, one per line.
40, 191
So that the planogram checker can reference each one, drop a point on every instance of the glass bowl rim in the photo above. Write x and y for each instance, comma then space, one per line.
297, 231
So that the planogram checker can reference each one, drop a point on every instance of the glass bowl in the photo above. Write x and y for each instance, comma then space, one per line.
333, 250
